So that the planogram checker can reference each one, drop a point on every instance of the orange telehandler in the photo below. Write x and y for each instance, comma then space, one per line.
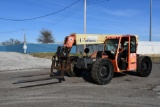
118, 55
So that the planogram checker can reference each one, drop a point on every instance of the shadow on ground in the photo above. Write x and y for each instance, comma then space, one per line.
87, 75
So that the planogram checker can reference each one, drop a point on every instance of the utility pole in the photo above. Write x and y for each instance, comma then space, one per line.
85, 16
25, 43
150, 37
85, 8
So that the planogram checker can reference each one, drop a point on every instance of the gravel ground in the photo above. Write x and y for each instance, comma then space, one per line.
17, 61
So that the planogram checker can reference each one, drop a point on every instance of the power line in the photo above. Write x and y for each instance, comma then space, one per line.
67, 15
60, 18
12, 31
42, 15
57, 20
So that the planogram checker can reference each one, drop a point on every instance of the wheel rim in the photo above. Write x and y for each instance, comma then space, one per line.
145, 66
104, 71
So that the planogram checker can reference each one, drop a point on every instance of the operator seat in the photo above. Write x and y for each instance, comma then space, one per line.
99, 54
122, 64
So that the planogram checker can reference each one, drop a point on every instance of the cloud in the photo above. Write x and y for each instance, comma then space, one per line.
123, 13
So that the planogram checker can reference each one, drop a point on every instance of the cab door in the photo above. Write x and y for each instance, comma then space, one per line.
132, 56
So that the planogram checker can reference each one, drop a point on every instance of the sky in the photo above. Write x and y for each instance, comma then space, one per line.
63, 17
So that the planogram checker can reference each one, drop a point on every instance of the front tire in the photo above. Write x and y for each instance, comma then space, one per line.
144, 66
102, 71
51, 73
75, 72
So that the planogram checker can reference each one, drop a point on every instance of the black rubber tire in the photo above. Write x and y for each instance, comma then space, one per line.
51, 73
72, 73
102, 71
75, 72
144, 66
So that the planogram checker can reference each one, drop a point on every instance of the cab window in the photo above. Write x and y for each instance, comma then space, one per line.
133, 44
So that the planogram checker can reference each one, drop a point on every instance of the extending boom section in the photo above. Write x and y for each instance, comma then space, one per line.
80, 39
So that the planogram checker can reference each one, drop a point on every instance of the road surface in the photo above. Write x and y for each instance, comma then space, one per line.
34, 88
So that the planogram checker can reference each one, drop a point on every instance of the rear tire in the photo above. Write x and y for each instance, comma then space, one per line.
144, 66
102, 71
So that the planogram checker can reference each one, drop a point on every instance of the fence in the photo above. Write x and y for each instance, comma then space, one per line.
33, 48
143, 48
12, 48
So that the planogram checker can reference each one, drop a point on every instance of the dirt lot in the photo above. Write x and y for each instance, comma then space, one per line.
33, 87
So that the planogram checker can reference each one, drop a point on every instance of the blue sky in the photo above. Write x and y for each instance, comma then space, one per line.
103, 17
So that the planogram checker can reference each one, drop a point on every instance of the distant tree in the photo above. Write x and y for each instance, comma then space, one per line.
11, 42
46, 36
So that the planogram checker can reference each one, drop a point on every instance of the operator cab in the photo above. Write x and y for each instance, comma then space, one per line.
122, 52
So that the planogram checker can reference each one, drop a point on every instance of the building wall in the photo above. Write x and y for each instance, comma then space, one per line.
148, 47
